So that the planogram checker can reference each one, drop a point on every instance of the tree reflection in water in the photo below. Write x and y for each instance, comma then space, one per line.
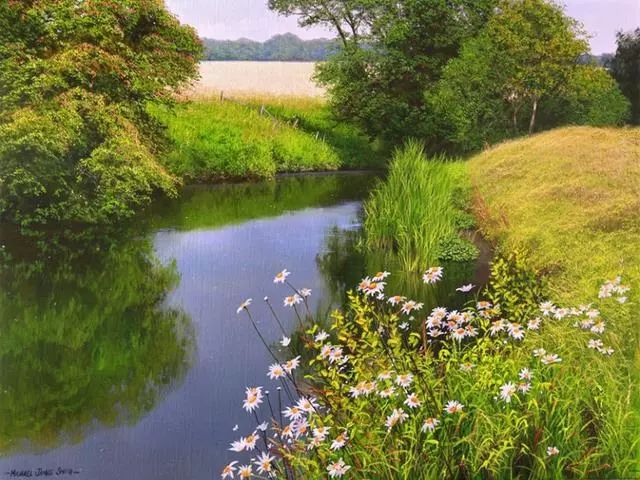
85, 340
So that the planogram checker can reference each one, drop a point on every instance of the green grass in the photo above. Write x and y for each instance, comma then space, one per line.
214, 140
572, 196
417, 211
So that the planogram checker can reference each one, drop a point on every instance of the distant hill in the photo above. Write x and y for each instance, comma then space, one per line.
284, 48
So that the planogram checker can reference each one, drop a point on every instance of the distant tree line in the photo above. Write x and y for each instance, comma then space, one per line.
283, 48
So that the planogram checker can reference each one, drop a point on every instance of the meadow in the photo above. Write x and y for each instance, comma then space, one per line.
257, 137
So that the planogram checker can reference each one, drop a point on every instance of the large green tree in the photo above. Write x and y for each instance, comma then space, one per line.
76, 142
626, 69
523, 65
392, 51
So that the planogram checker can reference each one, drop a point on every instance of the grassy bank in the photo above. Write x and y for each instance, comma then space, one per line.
572, 196
418, 211
218, 140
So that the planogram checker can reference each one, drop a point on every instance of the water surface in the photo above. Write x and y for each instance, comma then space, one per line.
122, 356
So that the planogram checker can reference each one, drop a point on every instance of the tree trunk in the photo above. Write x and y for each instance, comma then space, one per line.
534, 109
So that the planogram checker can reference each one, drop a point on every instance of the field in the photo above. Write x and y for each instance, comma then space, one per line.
256, 78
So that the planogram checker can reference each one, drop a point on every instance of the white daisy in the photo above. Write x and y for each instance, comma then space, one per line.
337, 469
253, 398
244, 471
507, 391
432, 275
229, 470
534, 324
525, 374
404, 380
380, 276
305, 292
340, 441
550, 359
275, 371
430, 424
281, 276
263, 462
412, 401
551, 451
292, 364
292, 300
321, 336
244, 305
397, 416
285, 341
465, 288
396, 299
453, 406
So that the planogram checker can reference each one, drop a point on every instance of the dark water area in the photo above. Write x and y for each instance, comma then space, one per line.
122, 356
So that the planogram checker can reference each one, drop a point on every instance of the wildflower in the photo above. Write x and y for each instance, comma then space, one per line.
397, 416
285, 341
453, 406
245, 471
539, 352
235, 428
507, 391
229, 470
305, 292
293, 413
598, 327
550, 359
467, 367
244, 305
551, 451
606, 351
292, 364
263, 462
432, 275
515, 330
374, 288
430, 424
465, 288
525, 374
409, 306
337, 469
483, 305
403, 326
378, 277
263, 427
412, 401
546, 308
404, 380
385, 375
238, 445
496, 327
253, 398
560, 313
387, 392
364, 284
325, 351
275, 371
292, 300
281, 276
321, 336
307, 404
287, 431
340, 441
300, 427
321, 433
396, 299
471, 331
586, 324
459, 333
534, 324
250, 441
622, 299
595, 343
335, 354
434, 332
524, 387
592, 313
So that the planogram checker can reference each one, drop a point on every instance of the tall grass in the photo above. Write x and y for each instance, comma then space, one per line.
215, 140
416, 208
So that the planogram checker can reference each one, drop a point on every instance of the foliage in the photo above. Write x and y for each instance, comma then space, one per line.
284, 48
413, 211
625, 66
591, 97
522, 62
456, 249
391, 53
75, 78
383, 401
222, 140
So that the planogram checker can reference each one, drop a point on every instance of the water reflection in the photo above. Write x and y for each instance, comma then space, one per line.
84, 340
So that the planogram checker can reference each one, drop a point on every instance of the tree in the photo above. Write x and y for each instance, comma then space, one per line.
626, 69
525, 56
76, 141
392, 51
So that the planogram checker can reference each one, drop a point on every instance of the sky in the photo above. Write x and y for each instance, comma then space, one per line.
232, 19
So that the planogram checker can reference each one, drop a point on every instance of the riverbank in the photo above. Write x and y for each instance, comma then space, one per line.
255, 138
572, 197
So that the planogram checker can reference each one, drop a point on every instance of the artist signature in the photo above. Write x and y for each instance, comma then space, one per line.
42, 472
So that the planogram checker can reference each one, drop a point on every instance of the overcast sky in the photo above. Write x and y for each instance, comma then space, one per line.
231, 19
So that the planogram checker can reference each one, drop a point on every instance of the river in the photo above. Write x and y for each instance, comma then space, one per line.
123, 357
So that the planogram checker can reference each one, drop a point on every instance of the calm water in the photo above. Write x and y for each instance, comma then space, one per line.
126, 359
